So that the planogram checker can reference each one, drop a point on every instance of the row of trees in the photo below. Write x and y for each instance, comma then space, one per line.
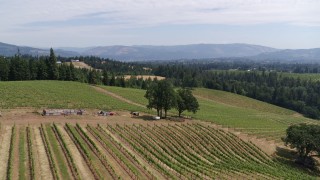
162, 97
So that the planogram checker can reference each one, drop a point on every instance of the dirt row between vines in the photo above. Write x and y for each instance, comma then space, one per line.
4, 149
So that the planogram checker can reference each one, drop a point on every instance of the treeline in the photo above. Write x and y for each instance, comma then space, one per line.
227, 64
292, 93
117, 67
108, 72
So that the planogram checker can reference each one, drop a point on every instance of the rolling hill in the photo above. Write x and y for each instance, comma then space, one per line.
210, 146
222, 108
244, 114
298, 55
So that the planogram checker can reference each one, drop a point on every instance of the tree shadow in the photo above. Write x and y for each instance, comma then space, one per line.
291, 158
144, 117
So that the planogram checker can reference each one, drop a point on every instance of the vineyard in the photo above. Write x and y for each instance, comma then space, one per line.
246, 115
135, 151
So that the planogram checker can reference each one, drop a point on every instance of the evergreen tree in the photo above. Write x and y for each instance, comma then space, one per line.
33, 69
105, 79
93, 77
113, 80
42, 70
53, 72
4, 69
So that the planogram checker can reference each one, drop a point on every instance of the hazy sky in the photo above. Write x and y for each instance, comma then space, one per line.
80, 23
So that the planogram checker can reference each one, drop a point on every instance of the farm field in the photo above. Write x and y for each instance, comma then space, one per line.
230, 137
80, 65
57, 94
134, 151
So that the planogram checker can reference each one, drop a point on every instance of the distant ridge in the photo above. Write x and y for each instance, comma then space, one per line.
192, 51
11, 50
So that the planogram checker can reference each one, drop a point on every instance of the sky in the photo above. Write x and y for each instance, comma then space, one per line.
285, 24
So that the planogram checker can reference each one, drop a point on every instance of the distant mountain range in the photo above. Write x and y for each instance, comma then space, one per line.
194, 51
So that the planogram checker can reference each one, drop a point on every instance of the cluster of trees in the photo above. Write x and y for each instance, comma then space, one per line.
108, 72
19, 68
117, 67
306, 139
292, 93
162, 97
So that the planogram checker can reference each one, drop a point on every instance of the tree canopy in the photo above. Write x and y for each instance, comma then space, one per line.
305, 138
162, 97
186, 101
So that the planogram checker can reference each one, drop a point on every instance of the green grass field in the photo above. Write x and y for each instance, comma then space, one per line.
57, 94
134, 95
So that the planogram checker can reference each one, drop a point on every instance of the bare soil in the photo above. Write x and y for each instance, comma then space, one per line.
43, 161
80, 65
145, 77
4, 149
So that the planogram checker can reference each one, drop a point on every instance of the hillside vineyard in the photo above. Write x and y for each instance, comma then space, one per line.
149, 151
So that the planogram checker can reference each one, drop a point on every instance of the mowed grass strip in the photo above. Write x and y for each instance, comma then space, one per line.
57, 94
57, 153
22, 153
134, 95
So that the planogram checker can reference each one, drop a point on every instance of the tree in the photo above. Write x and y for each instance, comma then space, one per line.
105, 79
93, 77
186, 101
53, 72
161, 96
42, 70
19, 69
305, 138
4, 69
168, 97
112, 80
